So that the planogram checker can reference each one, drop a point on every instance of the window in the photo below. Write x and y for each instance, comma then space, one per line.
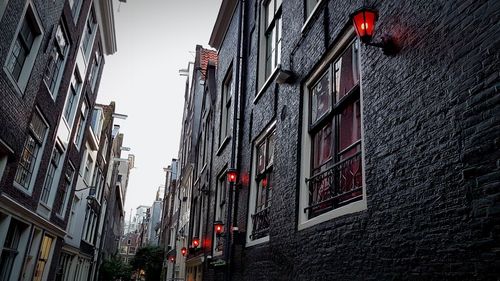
96, 65
10, 249
22, 54
32, 146
220, 212
88, 35
75, 8
225, 106
64, 267
270, 46
88, 169
74, 204
310, 5
55, 66
49, 179
81, 125
66, 191
43, 258
74, 90
332, 162
97, 122
261, 186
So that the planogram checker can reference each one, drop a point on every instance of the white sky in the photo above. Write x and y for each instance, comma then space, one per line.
155, 39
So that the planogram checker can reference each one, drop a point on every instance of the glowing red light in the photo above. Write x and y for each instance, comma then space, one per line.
196, 242
264, 182
232, 176
364, 22
219, 227
183, 251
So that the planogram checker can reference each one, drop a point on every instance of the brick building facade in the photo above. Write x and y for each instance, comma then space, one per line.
362, 165
52, 56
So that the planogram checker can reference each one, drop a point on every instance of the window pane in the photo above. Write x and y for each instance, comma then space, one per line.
346, 71
322, 142
350, 127
321, 98
261, 158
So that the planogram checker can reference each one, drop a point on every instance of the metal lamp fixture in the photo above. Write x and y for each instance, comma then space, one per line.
196, 242
364, 21
184, 251
219, 227
232, 176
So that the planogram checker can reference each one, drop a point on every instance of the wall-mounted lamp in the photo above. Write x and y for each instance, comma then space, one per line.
184, 251
219, 227
196, 242
364, 21
232, 176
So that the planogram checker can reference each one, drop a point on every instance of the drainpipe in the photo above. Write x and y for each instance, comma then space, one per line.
237, 113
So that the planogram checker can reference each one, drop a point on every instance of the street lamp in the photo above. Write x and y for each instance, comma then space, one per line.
219, 227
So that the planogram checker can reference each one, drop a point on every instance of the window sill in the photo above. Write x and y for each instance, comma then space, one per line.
251, 243
266, 84
52, 95
309, 19
345, 210
223, 145
28, 191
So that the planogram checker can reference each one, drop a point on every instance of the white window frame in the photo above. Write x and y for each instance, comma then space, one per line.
225, 106
29, 189
22, 243
308, 16
77, 79
21, 83
220, 213
54, 92
86, 49
68, 184
81, 124
75, 11
52, 189
306, 144
263, 78
271, 129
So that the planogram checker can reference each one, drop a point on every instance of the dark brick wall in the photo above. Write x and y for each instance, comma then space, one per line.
431, 147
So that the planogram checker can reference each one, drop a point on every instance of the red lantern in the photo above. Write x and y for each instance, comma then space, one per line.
219, 227
183, 251
196, 242
171, 258
232, 176
264, 182
364, 21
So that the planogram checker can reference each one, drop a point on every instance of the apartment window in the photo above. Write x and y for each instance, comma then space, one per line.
270, 48
64, 267
220, 211
88, 35
32, 146
58, 55
43, 258
96, 65
55, 161
262, 185
22, 54
97, 122
332, 163
10, 249
74, 204
81, 125
88, 169
225, 106
310, 5
66, 191
74, 89
75, 8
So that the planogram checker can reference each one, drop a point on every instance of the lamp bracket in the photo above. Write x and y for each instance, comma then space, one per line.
388, 45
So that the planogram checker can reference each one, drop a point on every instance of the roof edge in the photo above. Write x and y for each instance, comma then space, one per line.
222, 22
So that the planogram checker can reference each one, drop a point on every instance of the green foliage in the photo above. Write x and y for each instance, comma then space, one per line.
115, 269
149, 259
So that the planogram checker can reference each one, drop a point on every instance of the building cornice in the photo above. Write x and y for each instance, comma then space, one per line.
106, 19
222, 23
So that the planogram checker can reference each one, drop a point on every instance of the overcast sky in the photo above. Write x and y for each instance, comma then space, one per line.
155, 38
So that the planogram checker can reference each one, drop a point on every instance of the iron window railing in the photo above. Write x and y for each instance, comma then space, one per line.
335, 187
260, 222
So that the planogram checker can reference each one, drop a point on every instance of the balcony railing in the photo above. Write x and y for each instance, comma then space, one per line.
335, 187
260, 227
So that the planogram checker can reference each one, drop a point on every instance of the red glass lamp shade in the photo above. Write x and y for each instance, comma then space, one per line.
364, 21
219, 227
171, 258
196, 242
183, 251
264, 182
232, 176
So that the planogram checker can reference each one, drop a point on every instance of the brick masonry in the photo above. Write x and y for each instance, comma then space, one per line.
431, 121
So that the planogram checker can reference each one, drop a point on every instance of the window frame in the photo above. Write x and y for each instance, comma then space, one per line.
256, 176
53, 171
38, 158
20, 84
225, 106
220, 210
69, 177
60, 64
306, 163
